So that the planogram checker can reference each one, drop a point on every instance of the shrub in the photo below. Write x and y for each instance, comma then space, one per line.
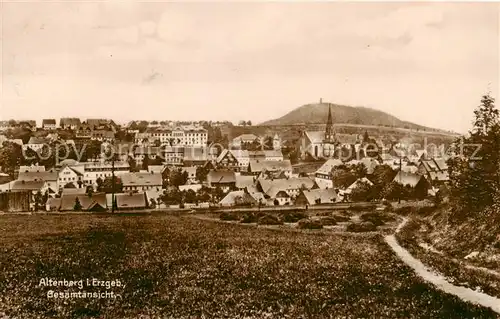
307, 223
228, 216
378, 219
328, 221
361, 227
249, 218
293, 217
269, 220
425, 210
340, 218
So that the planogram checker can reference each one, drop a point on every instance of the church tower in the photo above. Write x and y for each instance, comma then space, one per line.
330, 131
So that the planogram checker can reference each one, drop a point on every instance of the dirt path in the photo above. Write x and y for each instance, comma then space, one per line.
439, 281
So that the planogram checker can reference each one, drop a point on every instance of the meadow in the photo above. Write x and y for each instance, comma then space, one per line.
184, 267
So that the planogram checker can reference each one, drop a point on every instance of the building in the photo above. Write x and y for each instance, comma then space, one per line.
69, 123
49, 124
316, 197
257, 167
31, 168
228, 160
141, 181
71, 175
277, 142
35, 143
95, 202
172, 155
142, 152
179, 136
418, 182
99, 169
48, 177
435, 170
323, 176
128, 201
238, 198
225, 179
325, 144
244, 139
191, 174
291, 186
102, 135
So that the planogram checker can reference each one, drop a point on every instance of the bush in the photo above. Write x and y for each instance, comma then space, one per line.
340, 218
378, 219
328, 221
269, 220
293, 217
425, 210
361, 227
228, 216
249, 218
307, 223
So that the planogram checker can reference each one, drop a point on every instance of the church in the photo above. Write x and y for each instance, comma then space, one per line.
325, 144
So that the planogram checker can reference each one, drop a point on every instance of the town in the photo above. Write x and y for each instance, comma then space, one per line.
96, 165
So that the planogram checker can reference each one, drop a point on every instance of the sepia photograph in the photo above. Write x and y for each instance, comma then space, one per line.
236, 159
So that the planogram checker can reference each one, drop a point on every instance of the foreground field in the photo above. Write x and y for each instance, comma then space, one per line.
181, 267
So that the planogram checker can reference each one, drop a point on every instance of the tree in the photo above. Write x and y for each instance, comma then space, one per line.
475, 175
177, 177
145, 162
152, 203
342, 176
99, 183
132, 164
363, 191
38, 200
89, 191
107, 185
190, 196
77, 206
10, 157
249, 123
201, 174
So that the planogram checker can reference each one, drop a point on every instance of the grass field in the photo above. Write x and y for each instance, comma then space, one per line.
181, 267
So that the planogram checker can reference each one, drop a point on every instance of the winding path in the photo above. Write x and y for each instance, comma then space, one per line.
439, 281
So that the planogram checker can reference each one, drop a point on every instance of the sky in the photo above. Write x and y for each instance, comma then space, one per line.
428, 63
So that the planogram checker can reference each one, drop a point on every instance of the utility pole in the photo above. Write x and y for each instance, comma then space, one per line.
400, 181
112, 181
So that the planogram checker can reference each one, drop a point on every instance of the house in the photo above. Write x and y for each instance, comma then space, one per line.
291, 186
316, 197
73, 191
95, 202
31, 168
224, 179
356, 184
257, 167
198, 156
228, 160
154, 195
49, 124
49, 177
273, 155
191, 174
141, 181
156, 169
244, 139
323, 175
128, 201
369, 162
418, 182
69, 123
102, 135
100, 169
435, 170
243, 182
35, 143
282, 198
70, 174
53, 204
193, 187
238, 198
141, 152
172, 155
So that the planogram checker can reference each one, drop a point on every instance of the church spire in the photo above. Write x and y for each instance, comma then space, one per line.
329, 132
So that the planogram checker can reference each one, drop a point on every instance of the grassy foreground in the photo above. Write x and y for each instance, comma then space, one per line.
179, 267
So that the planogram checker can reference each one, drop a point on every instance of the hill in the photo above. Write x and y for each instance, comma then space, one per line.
317, 113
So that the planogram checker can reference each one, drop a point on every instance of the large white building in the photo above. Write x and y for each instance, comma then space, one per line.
94, 170
181, 135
